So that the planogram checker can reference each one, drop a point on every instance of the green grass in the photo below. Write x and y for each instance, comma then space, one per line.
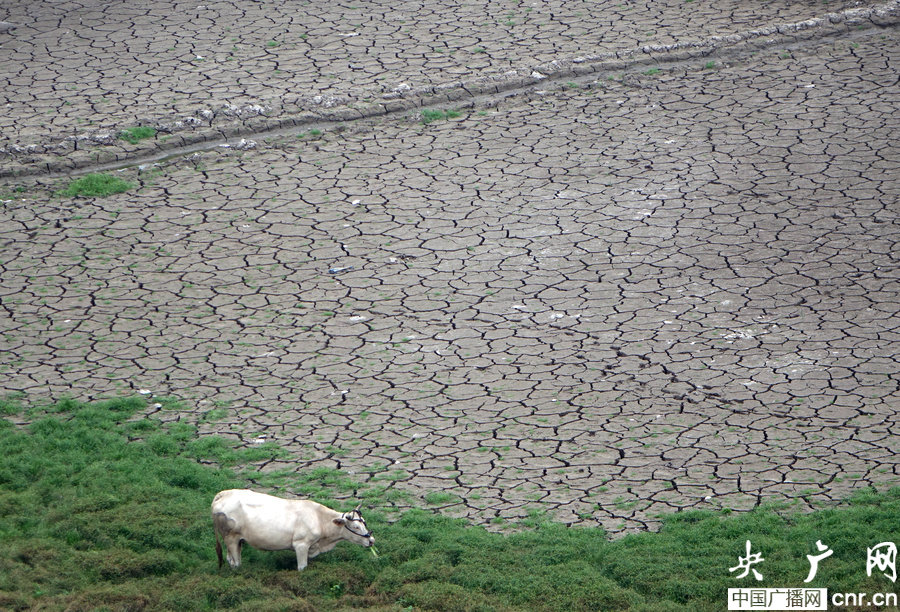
95, 186
136, 134
439, 497
101, 509
214, 415
429, 115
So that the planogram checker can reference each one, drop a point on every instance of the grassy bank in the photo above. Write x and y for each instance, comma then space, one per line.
100, 510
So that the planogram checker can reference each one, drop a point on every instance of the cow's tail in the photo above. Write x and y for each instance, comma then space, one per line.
219, 550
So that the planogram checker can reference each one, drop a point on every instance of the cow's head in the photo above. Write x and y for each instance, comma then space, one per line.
355, 526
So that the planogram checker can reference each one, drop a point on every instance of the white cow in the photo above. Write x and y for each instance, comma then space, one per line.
272, 523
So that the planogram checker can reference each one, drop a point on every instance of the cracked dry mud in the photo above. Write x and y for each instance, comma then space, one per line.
74, 75
611, 298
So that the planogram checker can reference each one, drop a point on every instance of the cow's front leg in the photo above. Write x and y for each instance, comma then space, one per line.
302, 550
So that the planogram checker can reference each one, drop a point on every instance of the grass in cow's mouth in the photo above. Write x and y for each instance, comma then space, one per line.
100, 509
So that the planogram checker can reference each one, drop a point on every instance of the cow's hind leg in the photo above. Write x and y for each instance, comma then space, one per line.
233, 545
225, 527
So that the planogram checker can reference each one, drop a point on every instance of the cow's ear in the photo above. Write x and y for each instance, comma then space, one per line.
339, 521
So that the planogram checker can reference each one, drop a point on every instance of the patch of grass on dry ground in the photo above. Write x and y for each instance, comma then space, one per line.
95, 185
134, 135
430, 115
103, 510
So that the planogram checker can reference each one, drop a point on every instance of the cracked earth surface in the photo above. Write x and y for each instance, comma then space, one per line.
74, 74
611, 298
